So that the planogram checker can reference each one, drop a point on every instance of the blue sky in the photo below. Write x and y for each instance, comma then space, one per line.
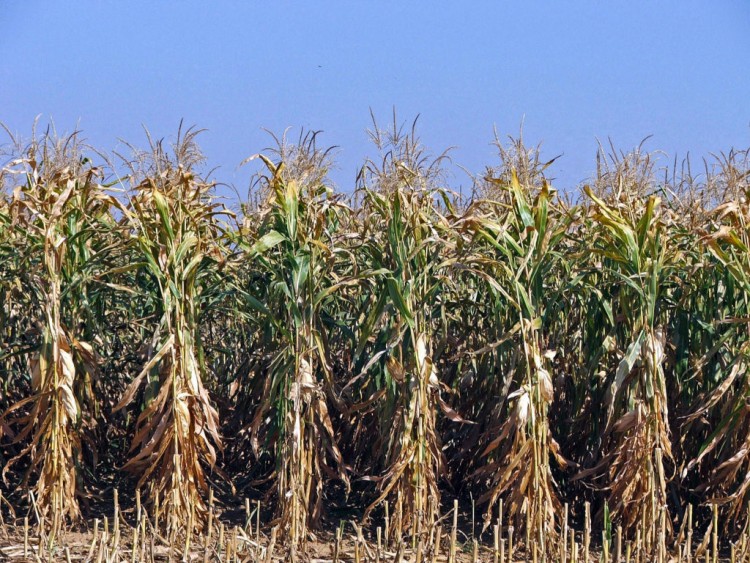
574, 71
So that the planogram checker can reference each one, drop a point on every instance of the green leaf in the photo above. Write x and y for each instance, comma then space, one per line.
163, 210
266, 242
398, 300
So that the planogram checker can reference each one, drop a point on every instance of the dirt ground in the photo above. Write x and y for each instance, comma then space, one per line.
83, 546
234, 537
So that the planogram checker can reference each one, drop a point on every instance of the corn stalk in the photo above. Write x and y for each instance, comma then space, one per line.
297, 255
728, 444
54, 221
637, 259
179, 244
519, 247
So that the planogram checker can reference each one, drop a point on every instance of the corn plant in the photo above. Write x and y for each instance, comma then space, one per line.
179, 243
728, 481
518, 253
638, 260
8, 309
296, 254
54, 220
408, 241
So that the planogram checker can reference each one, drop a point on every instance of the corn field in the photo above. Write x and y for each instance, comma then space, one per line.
390, 372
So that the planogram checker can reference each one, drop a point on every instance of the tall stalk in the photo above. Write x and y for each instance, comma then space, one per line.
409, 242
297, 255
638, 259
55, 221
728, 443
179, 244
520, 237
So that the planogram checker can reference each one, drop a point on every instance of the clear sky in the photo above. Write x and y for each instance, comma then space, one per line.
574, 70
